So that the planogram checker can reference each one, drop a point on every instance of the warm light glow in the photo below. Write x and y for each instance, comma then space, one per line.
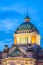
33, 39
22, 38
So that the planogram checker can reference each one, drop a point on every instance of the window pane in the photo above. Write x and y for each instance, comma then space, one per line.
33, 39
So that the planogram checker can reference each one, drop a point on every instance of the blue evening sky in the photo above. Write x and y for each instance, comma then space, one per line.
12, 13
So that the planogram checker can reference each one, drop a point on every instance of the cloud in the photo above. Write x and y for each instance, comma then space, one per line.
8, 24
5, 42
9, 15
9, 20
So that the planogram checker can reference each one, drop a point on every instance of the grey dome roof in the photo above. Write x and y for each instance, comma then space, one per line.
26, 27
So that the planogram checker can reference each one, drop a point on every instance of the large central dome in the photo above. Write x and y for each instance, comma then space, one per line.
26, 33
27, 27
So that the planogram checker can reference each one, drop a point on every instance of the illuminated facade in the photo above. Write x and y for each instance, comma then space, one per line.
26, 49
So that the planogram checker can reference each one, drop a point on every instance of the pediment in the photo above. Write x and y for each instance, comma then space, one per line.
11, 50
17, 53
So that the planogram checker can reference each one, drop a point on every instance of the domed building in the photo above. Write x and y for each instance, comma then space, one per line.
26, 49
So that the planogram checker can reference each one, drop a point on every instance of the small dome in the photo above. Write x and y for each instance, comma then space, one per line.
26, 27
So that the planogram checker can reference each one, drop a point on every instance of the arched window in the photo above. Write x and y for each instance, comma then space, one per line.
20, 40
26, 39
33, 39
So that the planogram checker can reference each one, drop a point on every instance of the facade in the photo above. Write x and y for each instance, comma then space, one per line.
26, 49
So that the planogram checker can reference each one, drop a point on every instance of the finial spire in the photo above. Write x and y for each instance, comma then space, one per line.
27, 18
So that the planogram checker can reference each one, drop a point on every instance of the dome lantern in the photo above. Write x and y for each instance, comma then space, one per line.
27, 19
